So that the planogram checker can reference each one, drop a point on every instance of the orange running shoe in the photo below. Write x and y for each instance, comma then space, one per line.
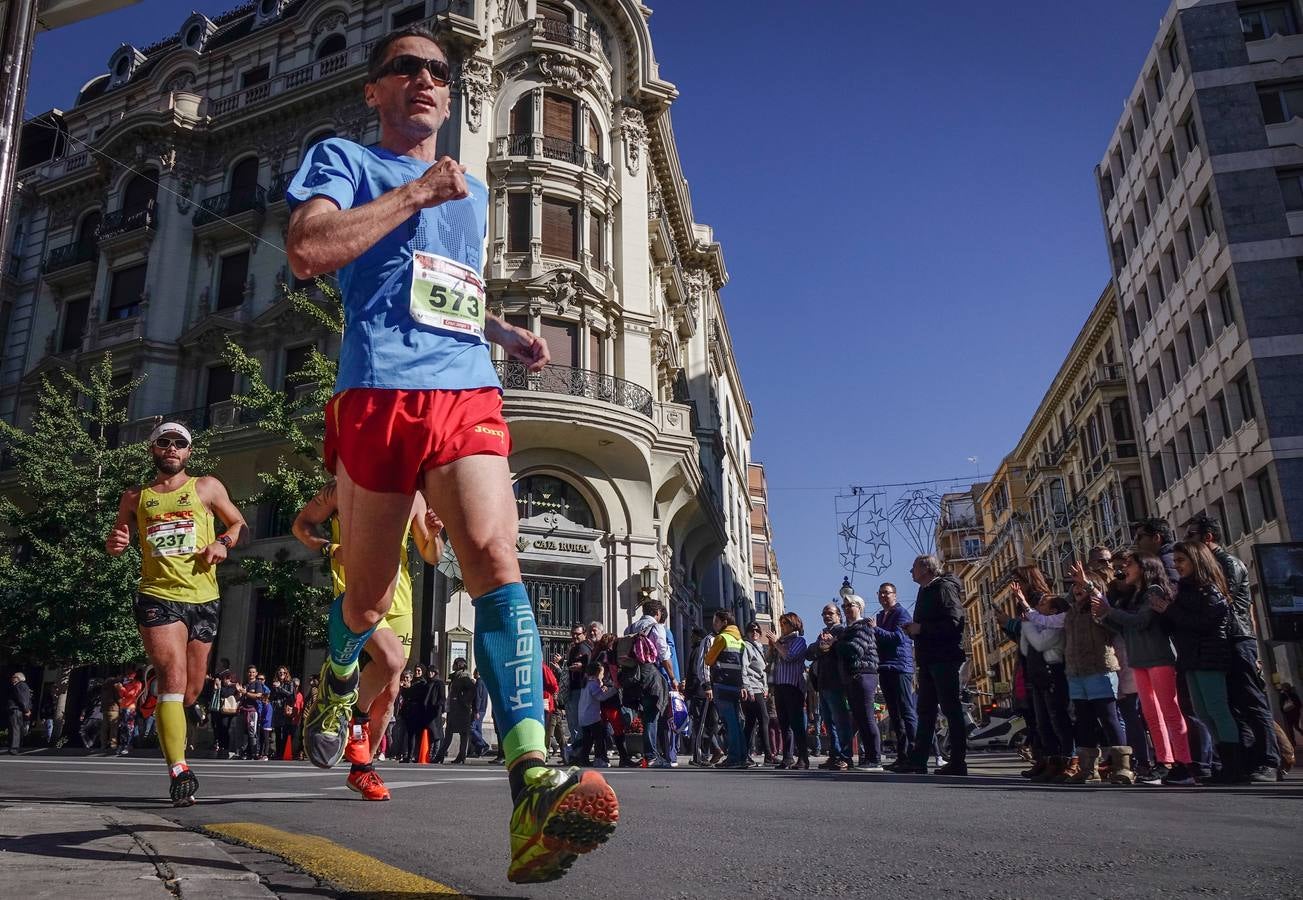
369, 784
358, 749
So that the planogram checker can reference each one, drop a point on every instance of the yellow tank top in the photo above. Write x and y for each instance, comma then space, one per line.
174, 527
402, 591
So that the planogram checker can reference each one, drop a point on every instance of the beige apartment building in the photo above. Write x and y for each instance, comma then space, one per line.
150, 225
767, 582
1071, 482
1202, 203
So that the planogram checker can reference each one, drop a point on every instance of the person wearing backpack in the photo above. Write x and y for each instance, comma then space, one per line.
644, 654
725, 661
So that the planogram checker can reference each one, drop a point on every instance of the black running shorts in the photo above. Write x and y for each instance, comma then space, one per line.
200, 618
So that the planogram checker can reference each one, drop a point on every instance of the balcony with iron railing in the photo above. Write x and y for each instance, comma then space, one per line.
123, 221
73, 254
575, 382
230, 204
564, 33
535, 146
351, 61
280, 182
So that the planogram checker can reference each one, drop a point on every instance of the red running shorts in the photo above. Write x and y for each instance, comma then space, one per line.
386, 438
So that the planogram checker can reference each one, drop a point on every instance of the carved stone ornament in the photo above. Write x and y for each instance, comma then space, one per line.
329, 22
180, 82
654, 203
633, 130
477, 85
565, 72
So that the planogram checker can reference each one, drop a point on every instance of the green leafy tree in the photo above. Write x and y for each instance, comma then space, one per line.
298, 419
63, 600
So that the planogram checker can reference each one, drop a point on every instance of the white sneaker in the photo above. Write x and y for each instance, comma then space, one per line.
873, 767
381, 757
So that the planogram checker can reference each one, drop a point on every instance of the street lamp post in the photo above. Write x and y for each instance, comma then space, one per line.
847, 589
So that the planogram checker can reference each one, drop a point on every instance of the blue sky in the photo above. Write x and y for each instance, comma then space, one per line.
905, 198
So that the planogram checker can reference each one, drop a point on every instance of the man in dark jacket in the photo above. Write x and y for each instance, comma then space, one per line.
896, 671
1155, 536
938, 633
20, 710
857, 649
826, 672
1245, 686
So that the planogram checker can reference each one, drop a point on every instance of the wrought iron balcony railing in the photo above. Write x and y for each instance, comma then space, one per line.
555, 148
122, 221
564, 33
230, 203
575, 383
70, 255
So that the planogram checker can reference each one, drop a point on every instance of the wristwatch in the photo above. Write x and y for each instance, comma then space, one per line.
225, 541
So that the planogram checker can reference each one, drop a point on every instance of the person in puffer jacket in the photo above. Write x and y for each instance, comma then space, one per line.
1198, 619
857, 654
1048, 684
1091, 666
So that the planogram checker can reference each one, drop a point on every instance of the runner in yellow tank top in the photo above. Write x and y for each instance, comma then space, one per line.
391, 643
178, 607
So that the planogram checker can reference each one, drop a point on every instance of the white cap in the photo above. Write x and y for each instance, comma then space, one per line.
170, 428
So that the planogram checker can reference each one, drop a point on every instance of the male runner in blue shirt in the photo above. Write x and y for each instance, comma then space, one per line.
418, 406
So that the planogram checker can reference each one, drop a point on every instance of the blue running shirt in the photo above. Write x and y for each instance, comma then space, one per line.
383, 346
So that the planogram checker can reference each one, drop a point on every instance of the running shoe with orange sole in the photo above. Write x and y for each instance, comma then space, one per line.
358, 749
561, 814
369, 784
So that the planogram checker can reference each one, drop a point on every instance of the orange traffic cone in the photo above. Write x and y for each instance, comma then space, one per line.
288, 755
424, 756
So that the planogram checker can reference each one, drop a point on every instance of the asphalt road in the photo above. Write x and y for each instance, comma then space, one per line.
755, 834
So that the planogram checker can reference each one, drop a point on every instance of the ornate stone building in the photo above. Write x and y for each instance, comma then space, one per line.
151, 225
766, 578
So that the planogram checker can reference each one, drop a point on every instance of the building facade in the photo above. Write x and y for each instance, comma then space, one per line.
1084, 485
1071, 482
960, 545
766, 581
151, 221
1001, 509
1203, 208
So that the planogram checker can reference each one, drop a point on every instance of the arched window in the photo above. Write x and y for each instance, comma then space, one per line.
86, 231
522, 115
140, 192
324, 134
539, 494
335, 43
244, 176
1120, 415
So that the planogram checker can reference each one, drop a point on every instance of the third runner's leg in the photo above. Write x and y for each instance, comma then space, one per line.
558, 813
166, 647
376, 693
371, 529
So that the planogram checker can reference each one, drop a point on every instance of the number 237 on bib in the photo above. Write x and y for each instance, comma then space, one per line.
446, 295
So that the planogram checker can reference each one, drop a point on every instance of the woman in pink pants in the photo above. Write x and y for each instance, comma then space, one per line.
1150, 654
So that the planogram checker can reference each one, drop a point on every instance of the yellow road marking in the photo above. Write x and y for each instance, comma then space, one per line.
347, 869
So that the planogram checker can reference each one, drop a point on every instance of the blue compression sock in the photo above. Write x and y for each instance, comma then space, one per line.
510, 660
345, 645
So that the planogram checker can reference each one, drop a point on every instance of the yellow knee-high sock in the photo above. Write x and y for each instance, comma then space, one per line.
171, 727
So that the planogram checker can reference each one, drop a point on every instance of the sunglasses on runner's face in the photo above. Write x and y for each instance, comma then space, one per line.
166, 443
409, 66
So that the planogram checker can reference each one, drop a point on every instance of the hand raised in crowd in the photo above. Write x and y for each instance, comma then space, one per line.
1016, 587
1077, 572
1099, 606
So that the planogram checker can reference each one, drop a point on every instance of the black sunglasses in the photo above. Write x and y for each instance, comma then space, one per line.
409, 66
164, 443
